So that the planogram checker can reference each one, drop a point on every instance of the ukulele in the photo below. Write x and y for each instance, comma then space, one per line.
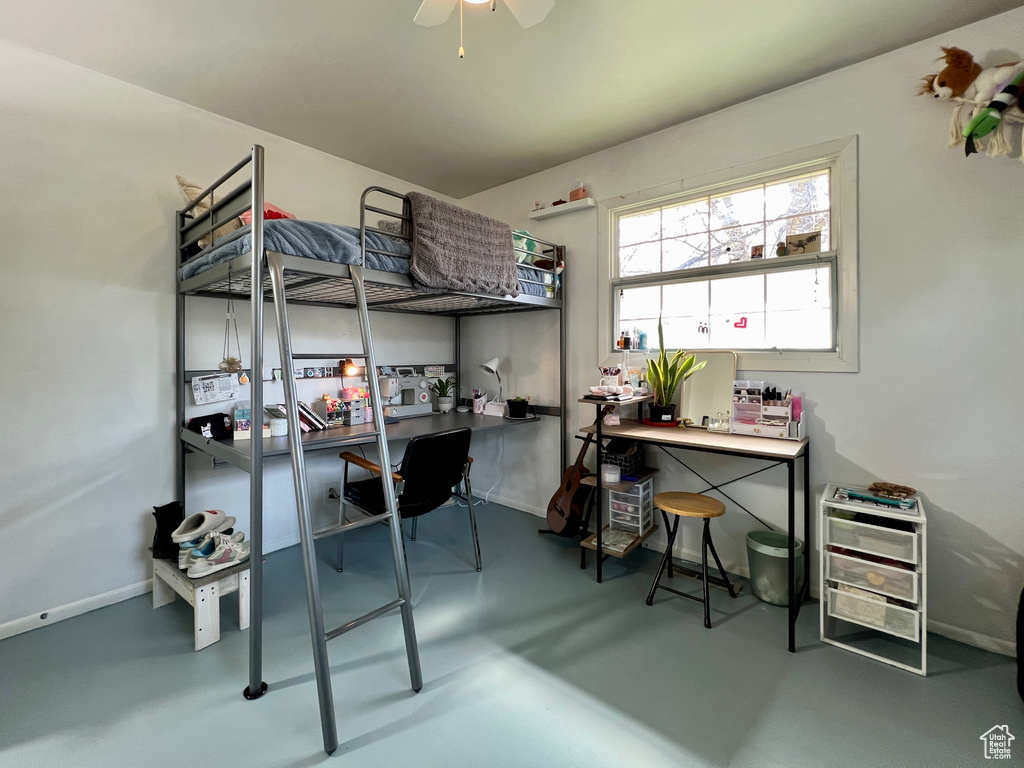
565, 510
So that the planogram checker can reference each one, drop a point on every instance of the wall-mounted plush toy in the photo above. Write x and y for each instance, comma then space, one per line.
973, 87
990, 118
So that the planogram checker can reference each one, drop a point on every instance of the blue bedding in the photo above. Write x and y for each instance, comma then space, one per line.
335, 243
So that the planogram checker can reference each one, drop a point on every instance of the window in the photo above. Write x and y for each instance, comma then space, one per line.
705, 260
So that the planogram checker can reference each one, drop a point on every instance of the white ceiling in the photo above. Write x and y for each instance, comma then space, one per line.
357, 79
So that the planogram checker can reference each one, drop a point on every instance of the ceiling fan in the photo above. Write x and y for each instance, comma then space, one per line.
527, 12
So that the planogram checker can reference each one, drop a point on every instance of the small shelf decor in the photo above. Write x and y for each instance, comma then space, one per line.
558, 210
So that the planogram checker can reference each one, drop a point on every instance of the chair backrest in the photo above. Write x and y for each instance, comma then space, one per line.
432, 466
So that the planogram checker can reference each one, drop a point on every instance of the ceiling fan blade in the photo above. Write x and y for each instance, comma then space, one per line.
530, 12
434, 12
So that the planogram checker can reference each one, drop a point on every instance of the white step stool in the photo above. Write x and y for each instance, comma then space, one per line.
203, 594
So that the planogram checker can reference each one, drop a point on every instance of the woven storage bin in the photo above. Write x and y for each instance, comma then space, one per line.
628, 455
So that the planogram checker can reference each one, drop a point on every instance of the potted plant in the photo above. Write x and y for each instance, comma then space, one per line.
517, 407
664, 376
443, 389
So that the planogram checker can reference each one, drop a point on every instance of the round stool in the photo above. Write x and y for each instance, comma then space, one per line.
690, 505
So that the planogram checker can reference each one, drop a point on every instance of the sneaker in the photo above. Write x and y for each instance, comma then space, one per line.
226, 554
194, 526
205, 546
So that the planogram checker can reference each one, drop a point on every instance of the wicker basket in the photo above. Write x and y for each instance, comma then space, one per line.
628, 455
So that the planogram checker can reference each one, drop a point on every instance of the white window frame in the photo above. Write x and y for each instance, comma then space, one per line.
840, 156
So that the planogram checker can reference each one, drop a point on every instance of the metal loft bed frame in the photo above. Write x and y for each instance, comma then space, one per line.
284, 279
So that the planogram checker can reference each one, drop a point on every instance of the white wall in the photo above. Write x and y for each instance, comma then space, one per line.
87, 196
941, 316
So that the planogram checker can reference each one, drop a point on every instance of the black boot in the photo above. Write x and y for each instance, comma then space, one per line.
168, 518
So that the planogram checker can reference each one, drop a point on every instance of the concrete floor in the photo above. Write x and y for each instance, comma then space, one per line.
529, 663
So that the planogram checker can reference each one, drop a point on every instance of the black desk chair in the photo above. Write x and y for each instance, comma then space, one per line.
431, 469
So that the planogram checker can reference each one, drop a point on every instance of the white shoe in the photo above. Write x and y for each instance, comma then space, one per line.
228, 553
205, 547
194, 526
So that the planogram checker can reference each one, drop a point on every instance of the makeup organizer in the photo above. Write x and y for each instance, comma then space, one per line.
761, 410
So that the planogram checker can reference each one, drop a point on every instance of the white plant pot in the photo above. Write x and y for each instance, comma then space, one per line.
445, 404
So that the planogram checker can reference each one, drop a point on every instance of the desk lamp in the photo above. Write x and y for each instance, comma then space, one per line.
491, 366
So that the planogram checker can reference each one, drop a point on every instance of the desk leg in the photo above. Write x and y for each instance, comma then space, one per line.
807, 521
600, 500
794, 604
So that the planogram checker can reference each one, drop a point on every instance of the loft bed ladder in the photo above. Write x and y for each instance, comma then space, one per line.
249, 196
307, 536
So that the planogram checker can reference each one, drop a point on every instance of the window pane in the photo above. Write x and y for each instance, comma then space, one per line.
809, 194
740, 330
799, 329
797, 225
737, 208
799, 289
686, 299
639, 303
640, 227
692, 332
685, 252
734, 244
688, 219
737, 294
642, 259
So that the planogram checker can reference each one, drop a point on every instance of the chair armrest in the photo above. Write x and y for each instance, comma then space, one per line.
366, 464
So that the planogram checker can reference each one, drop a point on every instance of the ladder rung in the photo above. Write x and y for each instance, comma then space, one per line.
363, 619
318, 356
323, 533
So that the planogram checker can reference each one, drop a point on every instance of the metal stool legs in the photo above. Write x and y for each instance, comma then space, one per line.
707, 580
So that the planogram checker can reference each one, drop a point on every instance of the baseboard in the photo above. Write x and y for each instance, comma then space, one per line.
71, 610
515, 504
970, 637
966, 636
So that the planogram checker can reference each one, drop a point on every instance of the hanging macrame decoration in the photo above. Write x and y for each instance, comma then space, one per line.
988, 101
232, 363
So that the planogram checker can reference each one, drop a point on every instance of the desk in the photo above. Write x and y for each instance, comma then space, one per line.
238, 452
776, 451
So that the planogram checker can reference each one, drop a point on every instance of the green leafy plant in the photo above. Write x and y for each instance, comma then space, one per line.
664, 374
443, 387
518, 399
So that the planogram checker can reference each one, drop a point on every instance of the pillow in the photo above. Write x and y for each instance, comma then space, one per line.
270, 212
190, 191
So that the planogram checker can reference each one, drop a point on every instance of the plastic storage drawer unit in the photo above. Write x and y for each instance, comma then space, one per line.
883, 616
873, 539
632, 510
876, 577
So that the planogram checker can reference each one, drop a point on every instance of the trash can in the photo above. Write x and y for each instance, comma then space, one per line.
768, 554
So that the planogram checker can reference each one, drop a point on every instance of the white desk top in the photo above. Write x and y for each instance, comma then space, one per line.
703, 440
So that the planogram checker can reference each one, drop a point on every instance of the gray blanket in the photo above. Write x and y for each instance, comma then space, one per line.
458, 250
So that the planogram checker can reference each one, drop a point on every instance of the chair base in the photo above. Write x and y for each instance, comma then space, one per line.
667, 567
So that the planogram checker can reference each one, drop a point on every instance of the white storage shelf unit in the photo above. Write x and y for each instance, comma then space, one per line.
873, 573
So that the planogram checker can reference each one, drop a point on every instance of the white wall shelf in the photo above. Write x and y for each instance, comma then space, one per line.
558, 210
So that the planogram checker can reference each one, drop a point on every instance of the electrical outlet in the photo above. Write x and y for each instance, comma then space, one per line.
332, 494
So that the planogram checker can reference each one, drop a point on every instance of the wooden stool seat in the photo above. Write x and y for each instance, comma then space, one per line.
689, 504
